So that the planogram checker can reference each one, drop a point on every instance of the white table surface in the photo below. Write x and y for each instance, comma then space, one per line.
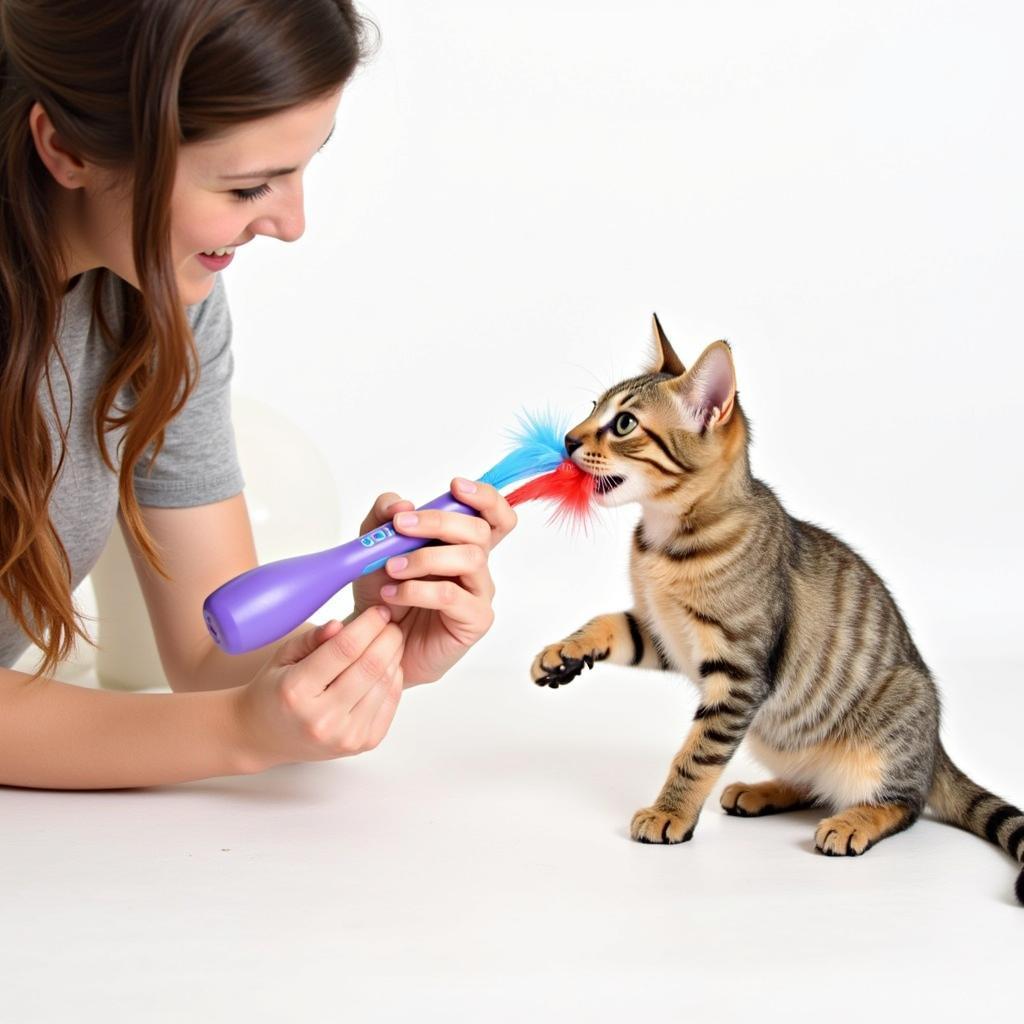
477, 865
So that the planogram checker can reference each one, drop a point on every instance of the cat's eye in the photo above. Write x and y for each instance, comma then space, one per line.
624, 423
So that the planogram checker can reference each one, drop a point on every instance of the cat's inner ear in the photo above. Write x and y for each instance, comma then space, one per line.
707, 394
663, 358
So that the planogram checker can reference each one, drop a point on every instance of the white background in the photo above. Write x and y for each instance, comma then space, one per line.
835, 188
512, 189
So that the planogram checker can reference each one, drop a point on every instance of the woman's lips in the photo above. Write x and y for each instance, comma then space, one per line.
214, 262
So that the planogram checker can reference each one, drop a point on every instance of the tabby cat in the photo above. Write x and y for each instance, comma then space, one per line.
794, 642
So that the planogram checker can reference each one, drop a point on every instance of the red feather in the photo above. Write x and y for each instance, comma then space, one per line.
571, 489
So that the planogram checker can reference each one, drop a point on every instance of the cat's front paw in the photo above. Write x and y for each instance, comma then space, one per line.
842, 837
560, 663
652, 825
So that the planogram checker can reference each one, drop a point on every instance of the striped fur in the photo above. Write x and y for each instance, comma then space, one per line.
793, 641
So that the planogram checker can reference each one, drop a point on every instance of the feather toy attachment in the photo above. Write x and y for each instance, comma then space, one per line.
538, 445
540, 448
571, 490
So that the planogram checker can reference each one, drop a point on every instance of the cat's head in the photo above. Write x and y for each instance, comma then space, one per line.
669, 437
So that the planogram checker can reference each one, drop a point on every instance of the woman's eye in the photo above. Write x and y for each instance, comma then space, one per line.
624, 423
252, 193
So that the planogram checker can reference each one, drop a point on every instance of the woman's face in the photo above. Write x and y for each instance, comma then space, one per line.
244, 183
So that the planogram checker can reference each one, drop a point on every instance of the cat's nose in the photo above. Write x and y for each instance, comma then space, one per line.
571, 444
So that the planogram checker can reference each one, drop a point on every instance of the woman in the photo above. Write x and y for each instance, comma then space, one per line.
143, 142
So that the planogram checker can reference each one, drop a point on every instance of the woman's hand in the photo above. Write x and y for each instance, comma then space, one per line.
330, 691
443, 594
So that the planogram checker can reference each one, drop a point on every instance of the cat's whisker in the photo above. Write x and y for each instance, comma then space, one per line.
601, 388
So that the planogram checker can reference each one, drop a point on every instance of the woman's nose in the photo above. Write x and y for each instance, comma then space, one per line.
291, 224
287, 222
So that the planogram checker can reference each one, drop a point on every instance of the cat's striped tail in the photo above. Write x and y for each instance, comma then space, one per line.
961, 801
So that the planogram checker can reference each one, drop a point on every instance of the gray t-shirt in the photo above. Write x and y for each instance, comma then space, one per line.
197, 465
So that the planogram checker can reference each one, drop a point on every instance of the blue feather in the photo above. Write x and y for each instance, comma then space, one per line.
539, 447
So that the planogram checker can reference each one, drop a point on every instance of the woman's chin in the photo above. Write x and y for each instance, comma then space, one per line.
192, 296
193, 289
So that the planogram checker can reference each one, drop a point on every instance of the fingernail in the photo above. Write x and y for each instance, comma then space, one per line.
397, 564
388, 591
385, 613
465, 485
406, 519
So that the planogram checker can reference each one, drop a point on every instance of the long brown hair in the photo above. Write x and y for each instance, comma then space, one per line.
125, 83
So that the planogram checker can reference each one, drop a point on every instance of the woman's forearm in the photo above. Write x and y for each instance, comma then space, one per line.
57, 736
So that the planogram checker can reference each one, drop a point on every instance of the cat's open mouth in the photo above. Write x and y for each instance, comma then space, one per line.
604, 484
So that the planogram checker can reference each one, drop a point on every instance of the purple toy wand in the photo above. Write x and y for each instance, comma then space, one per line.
268, 602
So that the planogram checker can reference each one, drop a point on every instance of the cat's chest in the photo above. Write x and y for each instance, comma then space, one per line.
677, 601
682, 637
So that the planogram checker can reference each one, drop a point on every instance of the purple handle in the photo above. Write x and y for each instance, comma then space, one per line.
265, 603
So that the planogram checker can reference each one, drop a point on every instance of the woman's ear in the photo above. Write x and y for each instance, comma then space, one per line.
662, 358
707, 394
68, 170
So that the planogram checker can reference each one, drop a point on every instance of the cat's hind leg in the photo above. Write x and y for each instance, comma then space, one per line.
619, 637
755, 799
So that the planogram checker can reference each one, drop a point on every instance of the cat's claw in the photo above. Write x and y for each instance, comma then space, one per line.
651, 825
567, 670
837, 837
555, 665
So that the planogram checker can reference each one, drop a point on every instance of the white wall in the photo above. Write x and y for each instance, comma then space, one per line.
835, 188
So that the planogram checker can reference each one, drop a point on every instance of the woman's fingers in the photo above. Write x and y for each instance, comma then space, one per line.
496, 520
373, 715
383, 512
466, 561
341, 649
356, 681
299, 647
360, 727
449, 527
490, 503
365, 588
470, 616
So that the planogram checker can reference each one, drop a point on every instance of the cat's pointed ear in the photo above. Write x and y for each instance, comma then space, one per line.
707, 394
663, 358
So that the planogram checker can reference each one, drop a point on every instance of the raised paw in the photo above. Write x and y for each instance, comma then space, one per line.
753, 799
840, 837
560, 663
651, 825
